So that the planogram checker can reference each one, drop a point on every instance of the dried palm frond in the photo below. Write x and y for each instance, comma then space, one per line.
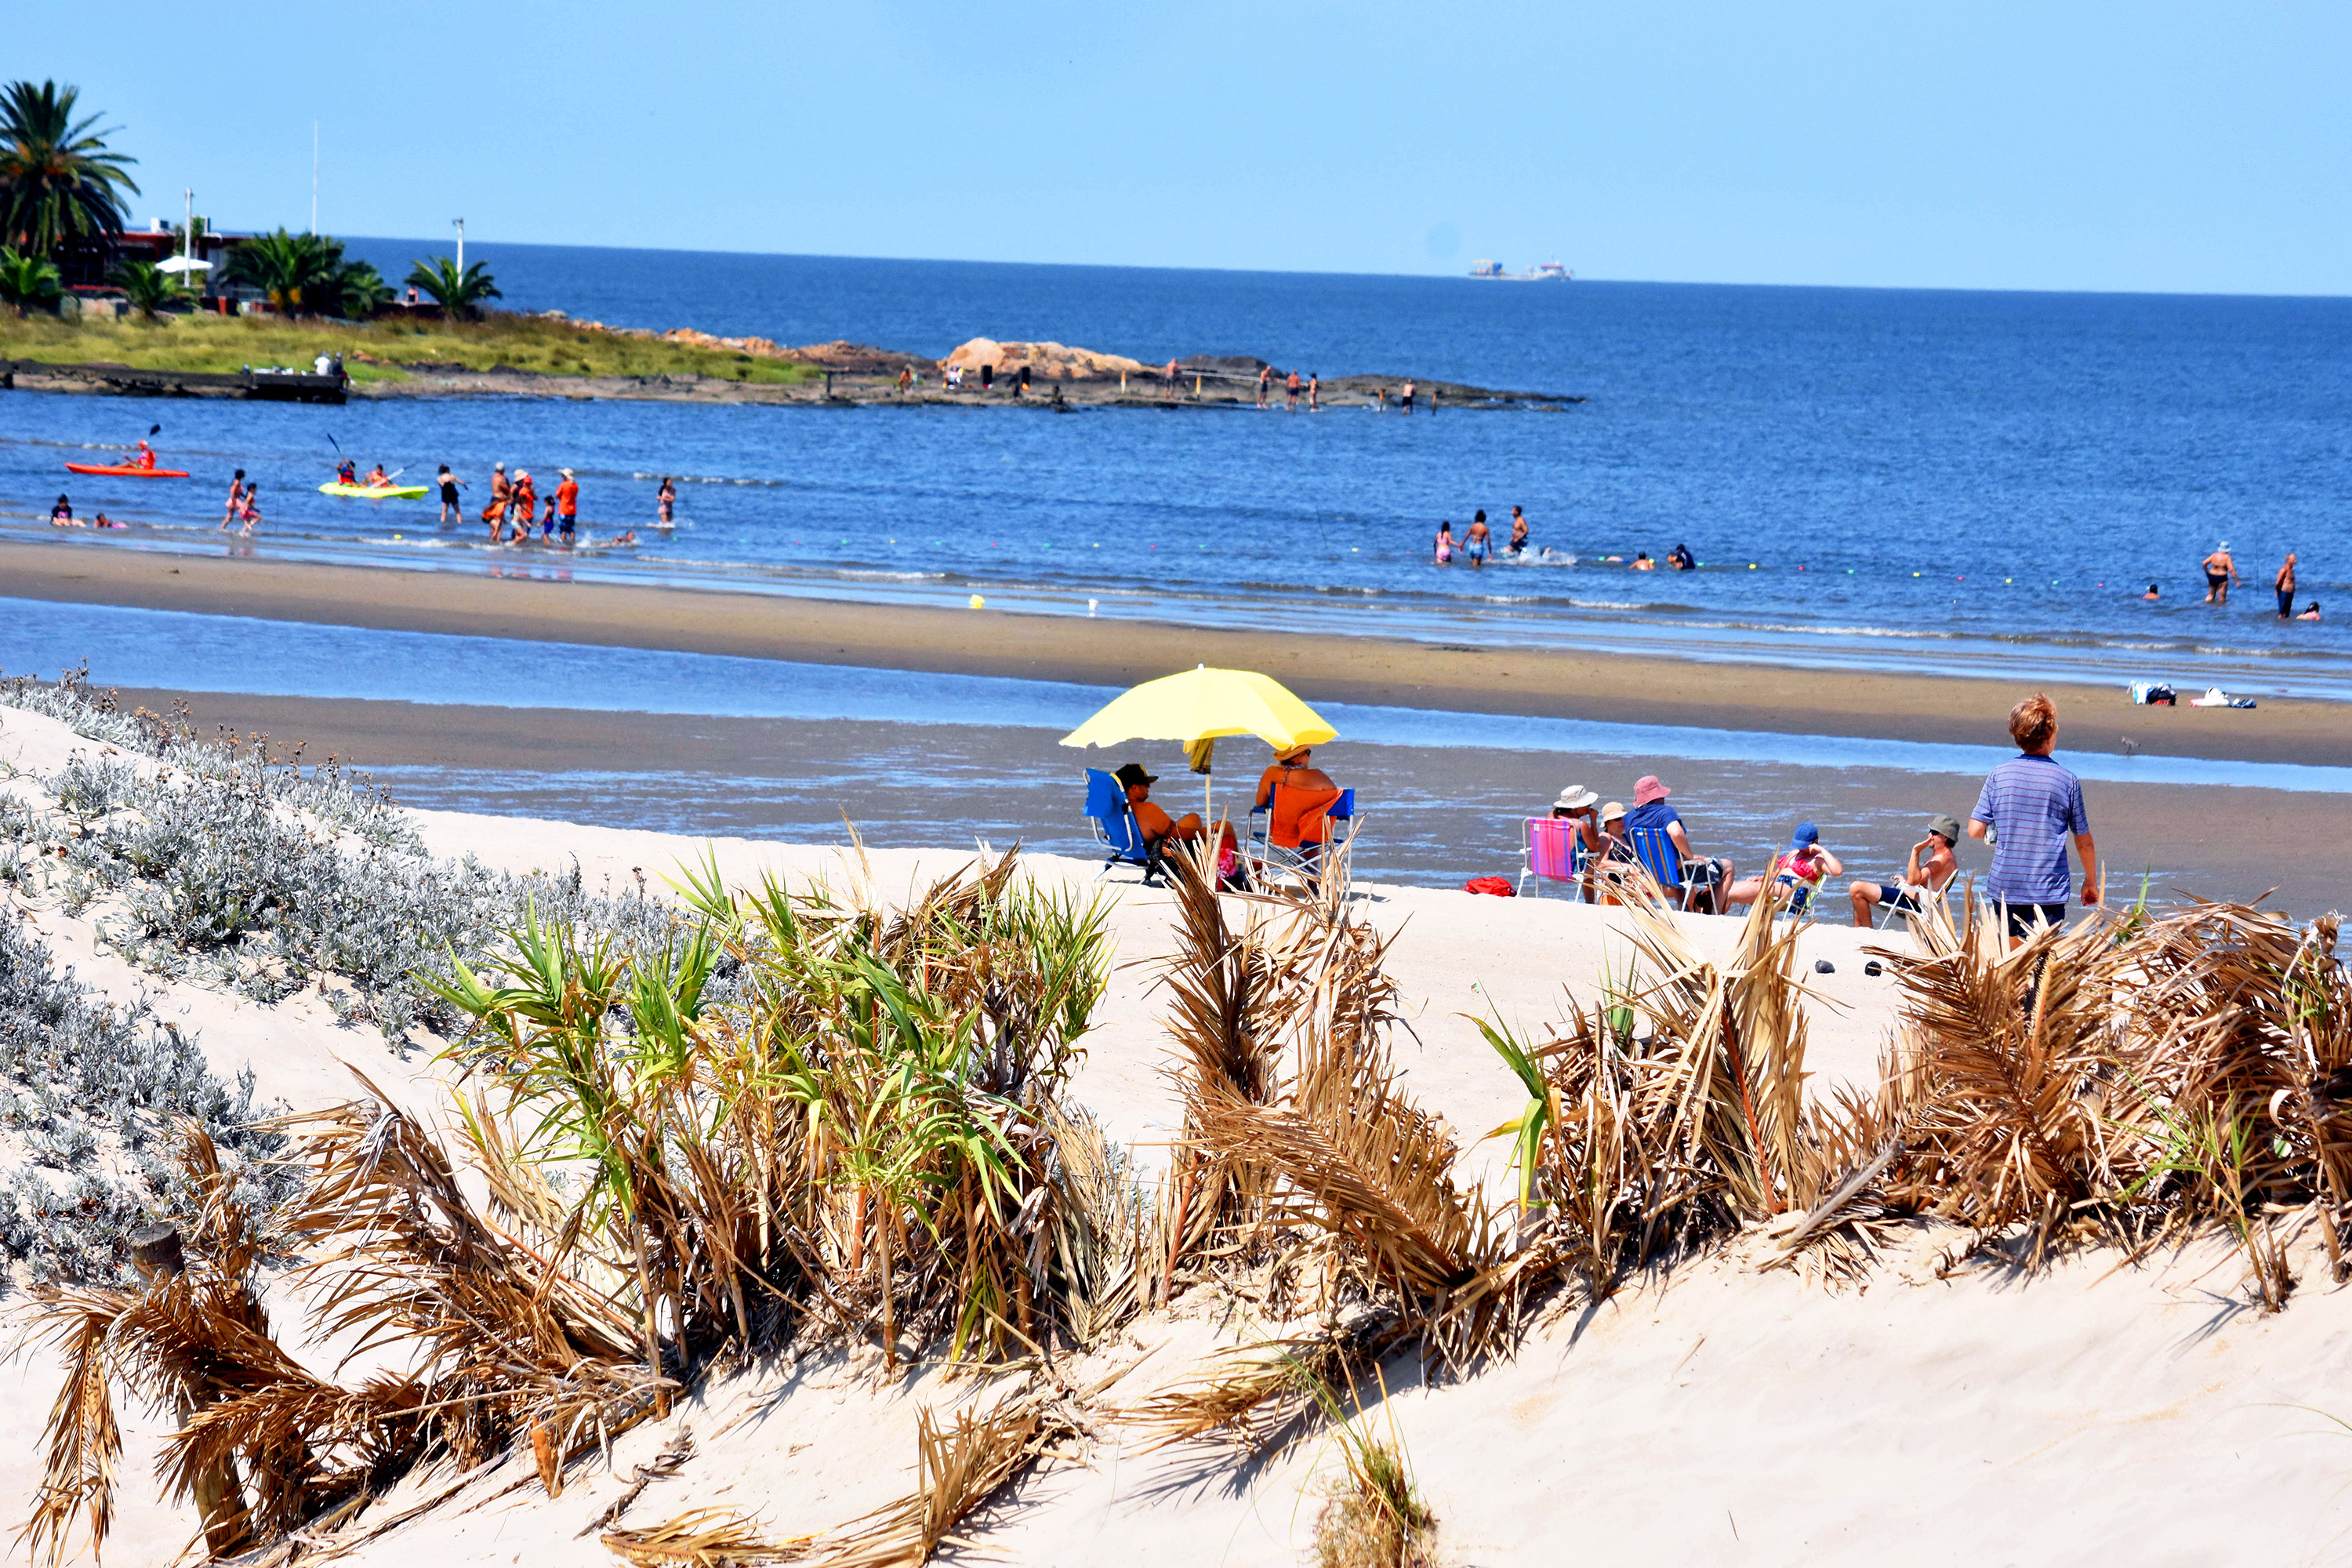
705, 1538
1260, 1395
2024, 1103
958, 1469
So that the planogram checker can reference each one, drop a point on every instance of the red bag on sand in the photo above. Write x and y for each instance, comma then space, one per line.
1495, 885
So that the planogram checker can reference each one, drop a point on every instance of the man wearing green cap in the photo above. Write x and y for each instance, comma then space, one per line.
1930, 867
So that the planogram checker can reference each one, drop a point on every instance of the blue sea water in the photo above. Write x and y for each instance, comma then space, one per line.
1971, 482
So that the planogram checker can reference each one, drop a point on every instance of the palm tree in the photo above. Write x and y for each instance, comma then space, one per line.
360, 290
299, 272
57, 178
457, 294
147, 286
27, 280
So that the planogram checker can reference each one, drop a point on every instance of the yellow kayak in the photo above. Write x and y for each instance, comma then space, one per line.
378, 492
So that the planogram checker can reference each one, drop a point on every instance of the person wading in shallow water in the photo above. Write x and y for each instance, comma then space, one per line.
495, 514
1519, 543
2220, 574
2286, 586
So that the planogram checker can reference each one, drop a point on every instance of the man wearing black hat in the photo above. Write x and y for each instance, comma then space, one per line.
1156, 825
1930, 867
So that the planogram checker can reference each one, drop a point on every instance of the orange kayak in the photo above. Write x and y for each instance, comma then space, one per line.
125, 471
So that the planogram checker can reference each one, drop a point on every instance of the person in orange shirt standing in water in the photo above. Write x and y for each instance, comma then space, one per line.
567, 507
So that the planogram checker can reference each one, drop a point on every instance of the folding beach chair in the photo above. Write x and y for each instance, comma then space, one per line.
1653, 848
1553, 851
1114, 827
1891, 910
1305, 836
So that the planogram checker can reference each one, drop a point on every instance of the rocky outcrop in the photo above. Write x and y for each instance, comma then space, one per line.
1047, 361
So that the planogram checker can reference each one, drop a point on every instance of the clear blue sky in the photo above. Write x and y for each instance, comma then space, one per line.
2112, 146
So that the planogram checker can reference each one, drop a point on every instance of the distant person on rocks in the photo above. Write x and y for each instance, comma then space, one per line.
1381, 398
2286, 586
1171, 378
236, 499
1264, 384
1314, 393
2029, 806
1477, 541
1445, 545
1290, 393
1518, 544
906, 379
451, 509
2220, 574
1021, 387
665, 498
987, 378
1404, 397
1931, 866
1709, 877
502, 492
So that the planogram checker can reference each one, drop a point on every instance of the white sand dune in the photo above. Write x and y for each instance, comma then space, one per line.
1721, 1415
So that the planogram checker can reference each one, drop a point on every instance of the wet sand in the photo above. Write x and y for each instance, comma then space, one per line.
1433, 816
1546, 683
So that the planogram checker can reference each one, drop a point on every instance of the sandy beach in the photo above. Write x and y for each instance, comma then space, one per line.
1774, 1417
1369, 669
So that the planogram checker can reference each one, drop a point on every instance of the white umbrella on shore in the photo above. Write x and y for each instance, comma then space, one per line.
184, 263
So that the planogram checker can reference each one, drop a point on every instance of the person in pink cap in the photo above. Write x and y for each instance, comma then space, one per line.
1707, 877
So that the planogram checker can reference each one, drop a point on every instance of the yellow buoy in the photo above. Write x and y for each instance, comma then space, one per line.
978, 602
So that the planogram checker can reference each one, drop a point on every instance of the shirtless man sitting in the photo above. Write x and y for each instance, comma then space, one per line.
1930, 867
1157, 826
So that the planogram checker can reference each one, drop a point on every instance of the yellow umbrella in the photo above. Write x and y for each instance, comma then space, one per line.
1201, 704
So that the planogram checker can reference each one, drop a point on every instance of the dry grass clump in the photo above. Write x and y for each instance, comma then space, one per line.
868, 1138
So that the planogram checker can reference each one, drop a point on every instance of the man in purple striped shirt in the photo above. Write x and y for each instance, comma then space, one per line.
2030, 804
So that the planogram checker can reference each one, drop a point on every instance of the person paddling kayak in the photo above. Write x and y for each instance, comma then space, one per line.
377, 479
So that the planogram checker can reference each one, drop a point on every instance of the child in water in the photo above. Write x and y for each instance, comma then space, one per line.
1445, 544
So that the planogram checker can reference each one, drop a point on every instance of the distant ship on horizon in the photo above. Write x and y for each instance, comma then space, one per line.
1545, 273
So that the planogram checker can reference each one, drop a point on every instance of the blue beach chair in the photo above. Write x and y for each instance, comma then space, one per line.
1114, 827
1653, 848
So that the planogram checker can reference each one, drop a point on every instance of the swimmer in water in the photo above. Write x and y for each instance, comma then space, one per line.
2152, 594
2311, 612
1477, 541
1445, 544
1518, 544
668, 497
1641, 563
1681, 559
102, 520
